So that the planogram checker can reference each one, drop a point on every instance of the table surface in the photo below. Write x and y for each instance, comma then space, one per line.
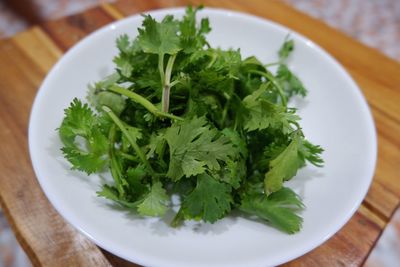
50, 241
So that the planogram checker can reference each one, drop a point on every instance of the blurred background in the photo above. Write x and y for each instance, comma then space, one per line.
375, 23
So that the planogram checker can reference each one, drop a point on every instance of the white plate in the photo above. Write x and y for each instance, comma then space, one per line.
335, 115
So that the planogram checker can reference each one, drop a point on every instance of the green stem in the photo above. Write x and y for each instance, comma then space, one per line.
274, 82
115, 168
168, 70
225, 110
178, 219
161, 67
168, 115
213, 59
127, 156
174, 83
165, 98
135, 147
142, 101
167, 84
272, 64
296, 124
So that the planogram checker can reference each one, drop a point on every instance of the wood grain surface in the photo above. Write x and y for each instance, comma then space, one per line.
50, 241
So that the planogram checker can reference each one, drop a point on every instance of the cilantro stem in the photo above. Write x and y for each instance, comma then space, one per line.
115, 168
174, 83
165, 98
135, 147
178, 219
161, 67
272, 64
168, 70
143, 101
225, 110
274, 82
127, 156
135, 97
213, 59
167, 84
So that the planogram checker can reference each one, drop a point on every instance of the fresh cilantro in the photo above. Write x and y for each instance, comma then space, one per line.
195, 147
262, 114
193, 38
286, 49
283, 167
279, 209
159, 37
210, 200
178, 116
155, 202
291, 84
91, 155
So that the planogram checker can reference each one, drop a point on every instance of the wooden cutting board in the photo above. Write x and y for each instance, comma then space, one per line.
50, 241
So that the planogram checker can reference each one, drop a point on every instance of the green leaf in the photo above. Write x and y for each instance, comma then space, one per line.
124, 65
83, 161
290, 83
155, 202
89, 156
233, 173
111, 193
283, 167
286, 49
103, 98
262, 114
159, 37
134, 177
237, 141
156, 145
279, 209
227, 62
134, 133
123, 44
210, 200
195, 146
192, 37
108, 81
311, 153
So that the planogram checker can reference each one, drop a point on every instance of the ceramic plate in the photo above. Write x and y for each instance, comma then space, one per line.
335, 116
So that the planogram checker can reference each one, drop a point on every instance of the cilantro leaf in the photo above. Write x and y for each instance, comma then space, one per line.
123, 44
155, 203
194, 147
134, 178
279, 209
124, 65
156, 145
283, 167
210, 200
111, 193
237, 141
311, 153
290, 82
134, 133
286, 48
80, 121
192, 38
159, 37
233, 172
262, 114
104, 98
